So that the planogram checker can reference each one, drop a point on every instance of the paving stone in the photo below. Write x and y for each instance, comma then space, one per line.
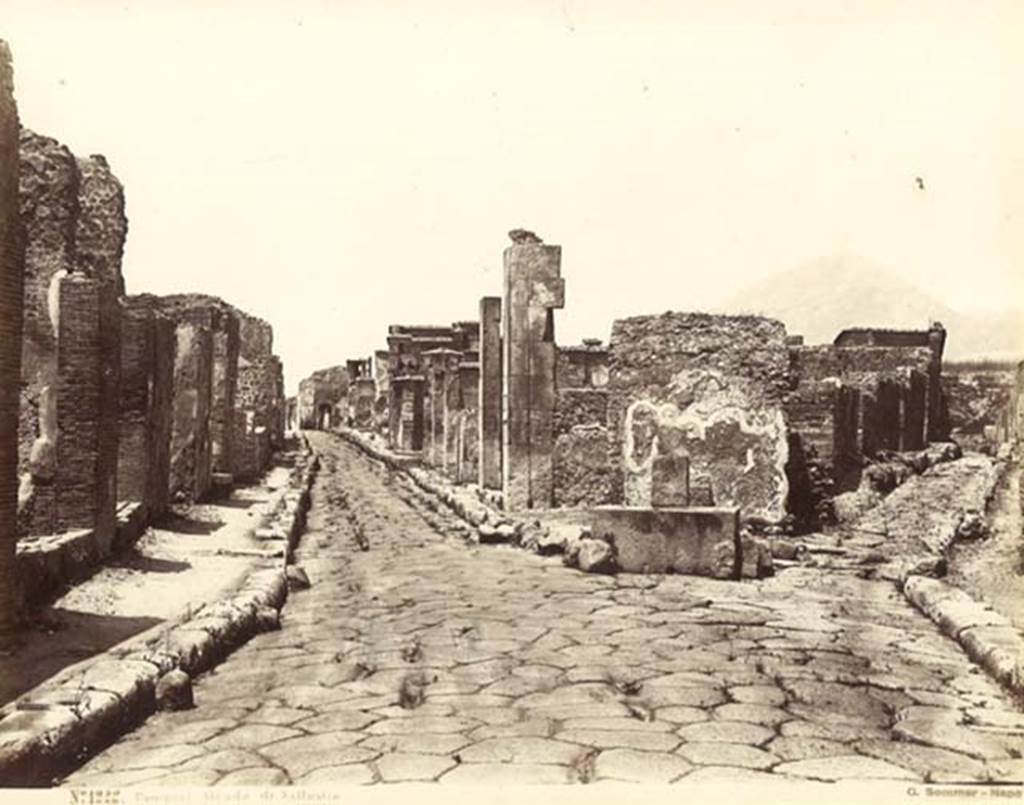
947, 735
732, 774
225, 760
845, 767
185, 778
926, 761
617, 725
681, 715
537, 727
622, 739
726, 754
428, 743
494, 774
338, 720
797, 748
251, 736
262, 776
726, 731
630, 765
417, 724
280, 716
349, 774
300, 755
521, 750
752, 713
768, 695
408, 767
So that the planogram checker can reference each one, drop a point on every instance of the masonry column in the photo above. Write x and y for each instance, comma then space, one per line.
79, 491
490, 393
11, 310
533, 290
190, 433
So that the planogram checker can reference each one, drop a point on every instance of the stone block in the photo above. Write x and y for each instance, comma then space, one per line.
670, 482
694, 541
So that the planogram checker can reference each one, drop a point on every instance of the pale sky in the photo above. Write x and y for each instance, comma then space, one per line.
336, 167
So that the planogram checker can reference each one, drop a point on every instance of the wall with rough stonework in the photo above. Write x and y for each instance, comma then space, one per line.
977, 400
703, 390
324, 390
11, 313
147, 391
190, 467
48, 197
100, 231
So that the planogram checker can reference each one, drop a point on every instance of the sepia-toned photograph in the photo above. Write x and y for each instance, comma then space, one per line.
518, 394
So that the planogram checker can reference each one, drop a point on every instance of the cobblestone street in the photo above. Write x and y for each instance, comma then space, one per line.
416, 656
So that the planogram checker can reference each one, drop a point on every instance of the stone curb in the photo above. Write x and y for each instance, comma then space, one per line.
987, 637
59, 724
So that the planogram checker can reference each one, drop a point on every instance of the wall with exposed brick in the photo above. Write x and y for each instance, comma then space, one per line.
11, 313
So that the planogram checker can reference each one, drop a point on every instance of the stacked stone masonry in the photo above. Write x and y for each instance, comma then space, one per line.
112, 405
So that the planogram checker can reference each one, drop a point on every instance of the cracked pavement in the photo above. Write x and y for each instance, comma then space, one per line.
417, 656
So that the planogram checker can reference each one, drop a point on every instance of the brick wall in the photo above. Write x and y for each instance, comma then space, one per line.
11, 312
79, 493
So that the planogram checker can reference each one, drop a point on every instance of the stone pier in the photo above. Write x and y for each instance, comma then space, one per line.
534, 289
490, 393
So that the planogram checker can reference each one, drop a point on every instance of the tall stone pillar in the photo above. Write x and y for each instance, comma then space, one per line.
79, 488
395, 389
190, 432
534, 289
490, 393
12, 269
100, 231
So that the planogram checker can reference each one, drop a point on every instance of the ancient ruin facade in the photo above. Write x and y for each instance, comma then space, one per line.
680, 411
148, 344
72, 211
322, 400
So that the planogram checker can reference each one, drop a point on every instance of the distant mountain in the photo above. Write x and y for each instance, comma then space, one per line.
822, 297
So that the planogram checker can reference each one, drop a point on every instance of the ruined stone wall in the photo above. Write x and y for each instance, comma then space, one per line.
325, 388
190, 467
583, 474
11, 313
702, 390
258, 407
255, 336
72, 211
100, 231
222, 322
147, 378
977, 400
48, 197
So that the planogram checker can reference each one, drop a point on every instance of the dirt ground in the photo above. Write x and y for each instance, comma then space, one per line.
191, 558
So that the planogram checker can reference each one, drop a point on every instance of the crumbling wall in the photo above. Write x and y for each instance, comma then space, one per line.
12, 268
147, 381
49, 203
583, 474
221, 320
977, 400
704, 392
323, 391
100, 231
190, 467
256, 417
